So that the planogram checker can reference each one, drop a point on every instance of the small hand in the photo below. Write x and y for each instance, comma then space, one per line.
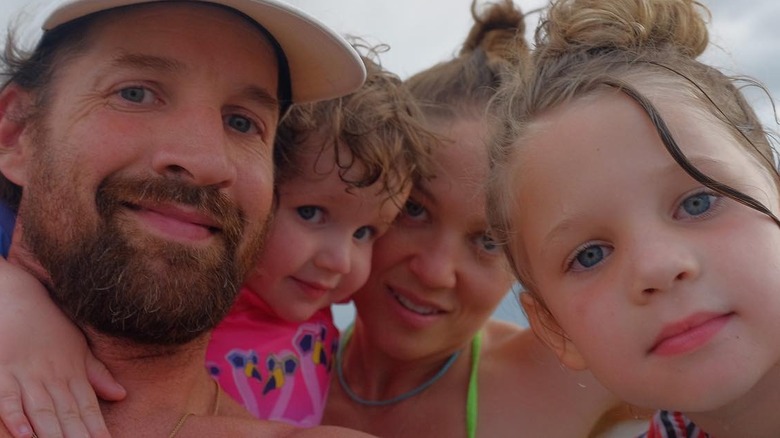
47, 372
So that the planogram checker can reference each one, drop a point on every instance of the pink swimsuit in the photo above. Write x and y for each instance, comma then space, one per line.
277, 369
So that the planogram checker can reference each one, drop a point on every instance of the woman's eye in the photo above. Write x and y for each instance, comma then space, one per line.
697, 204
240, 123
364, 233
136, 94
310, 213
589, 257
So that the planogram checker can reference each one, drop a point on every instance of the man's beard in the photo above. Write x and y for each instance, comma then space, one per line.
123, 282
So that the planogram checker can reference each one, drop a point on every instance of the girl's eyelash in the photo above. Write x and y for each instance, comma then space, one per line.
572, 256
569, 261
713, 203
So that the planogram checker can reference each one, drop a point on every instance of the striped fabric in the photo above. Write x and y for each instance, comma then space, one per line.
667, 424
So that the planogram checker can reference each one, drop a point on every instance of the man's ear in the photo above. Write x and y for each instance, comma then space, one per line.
15, 106
550, 332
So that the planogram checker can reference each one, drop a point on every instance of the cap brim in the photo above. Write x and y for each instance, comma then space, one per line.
322, 64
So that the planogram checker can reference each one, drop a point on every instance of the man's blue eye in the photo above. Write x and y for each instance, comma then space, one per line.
239, 123
133, 94
697, 204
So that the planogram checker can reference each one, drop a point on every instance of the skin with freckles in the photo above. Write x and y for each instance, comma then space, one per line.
449, 290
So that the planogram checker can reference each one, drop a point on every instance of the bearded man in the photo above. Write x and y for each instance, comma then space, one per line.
136, 144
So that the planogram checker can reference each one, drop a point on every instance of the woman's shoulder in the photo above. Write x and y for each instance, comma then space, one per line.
510, 343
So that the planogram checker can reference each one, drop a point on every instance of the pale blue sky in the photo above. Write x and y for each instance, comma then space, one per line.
745, 35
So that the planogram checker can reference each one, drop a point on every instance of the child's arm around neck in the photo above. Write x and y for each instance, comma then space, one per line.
46, 368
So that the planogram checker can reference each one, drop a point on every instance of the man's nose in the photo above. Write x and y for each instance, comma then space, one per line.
196, 149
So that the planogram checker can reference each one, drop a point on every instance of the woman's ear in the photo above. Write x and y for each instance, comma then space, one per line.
15, 105
550, 332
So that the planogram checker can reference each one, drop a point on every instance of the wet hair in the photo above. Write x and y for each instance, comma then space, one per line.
379, 128
641, 48
35, 71
463, 86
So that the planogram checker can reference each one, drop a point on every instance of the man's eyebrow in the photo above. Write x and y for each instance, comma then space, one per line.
167, 65
147, 62
261, 96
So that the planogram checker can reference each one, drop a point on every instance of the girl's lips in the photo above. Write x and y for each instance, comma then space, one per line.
313, 290
689, 334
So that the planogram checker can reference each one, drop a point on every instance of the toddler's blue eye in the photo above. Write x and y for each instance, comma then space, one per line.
309, 212
697, 204
363, 233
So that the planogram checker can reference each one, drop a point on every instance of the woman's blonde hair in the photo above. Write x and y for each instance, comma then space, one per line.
464, 85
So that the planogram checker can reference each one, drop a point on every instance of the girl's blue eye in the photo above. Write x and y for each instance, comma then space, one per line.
698, 204
589, 256
309, 213
487, 244
239, 123
134, 94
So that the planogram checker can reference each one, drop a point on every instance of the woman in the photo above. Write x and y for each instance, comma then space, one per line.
423, 358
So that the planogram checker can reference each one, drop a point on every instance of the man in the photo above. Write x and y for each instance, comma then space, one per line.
136, 142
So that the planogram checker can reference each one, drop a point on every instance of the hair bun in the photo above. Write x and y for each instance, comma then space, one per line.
498, 30
625, 25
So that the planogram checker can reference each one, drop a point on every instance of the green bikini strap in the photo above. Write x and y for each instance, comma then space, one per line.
472, 398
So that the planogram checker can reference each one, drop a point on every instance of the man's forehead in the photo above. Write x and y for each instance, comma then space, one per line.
176, 37
173, 43
160, 35
315, 63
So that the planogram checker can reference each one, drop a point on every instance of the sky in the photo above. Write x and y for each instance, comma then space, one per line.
744, 36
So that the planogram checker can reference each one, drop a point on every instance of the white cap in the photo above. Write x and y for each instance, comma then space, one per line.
322, 64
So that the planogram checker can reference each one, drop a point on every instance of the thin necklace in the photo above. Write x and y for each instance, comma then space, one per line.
187, 415
399, 398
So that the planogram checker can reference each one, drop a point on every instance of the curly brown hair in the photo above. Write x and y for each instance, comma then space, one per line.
379, 127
